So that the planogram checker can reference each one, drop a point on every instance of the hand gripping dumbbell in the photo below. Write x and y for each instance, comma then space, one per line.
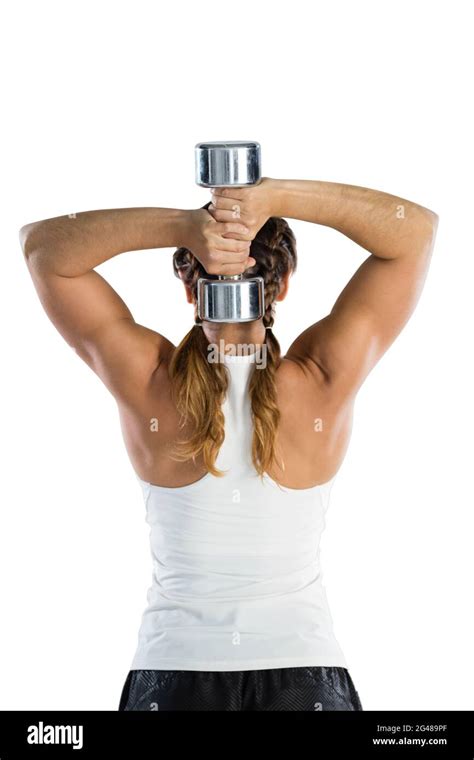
229, 298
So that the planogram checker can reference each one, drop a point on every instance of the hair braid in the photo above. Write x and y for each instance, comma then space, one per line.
200, 387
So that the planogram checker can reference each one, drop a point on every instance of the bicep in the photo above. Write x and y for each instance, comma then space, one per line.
367, 317
97, 324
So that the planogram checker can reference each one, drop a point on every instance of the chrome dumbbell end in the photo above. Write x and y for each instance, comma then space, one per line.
235, 163
231, 299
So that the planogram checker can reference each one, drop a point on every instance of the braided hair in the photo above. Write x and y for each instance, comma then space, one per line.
199, 387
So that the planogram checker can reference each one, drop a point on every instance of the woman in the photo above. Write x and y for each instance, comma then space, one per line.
236, 457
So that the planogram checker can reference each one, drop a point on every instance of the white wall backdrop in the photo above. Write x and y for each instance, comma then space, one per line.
103, 103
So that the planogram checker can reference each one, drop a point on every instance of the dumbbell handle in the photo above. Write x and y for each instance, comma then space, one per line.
230, 297
235, 163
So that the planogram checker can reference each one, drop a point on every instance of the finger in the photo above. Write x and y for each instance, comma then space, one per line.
240, 269
213, 212
236, 236
229, 269
232, 245
232, 228
222, 215
238, 229
223, 203
238, 193
224, 258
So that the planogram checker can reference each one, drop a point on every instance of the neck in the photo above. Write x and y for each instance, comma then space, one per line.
236, 336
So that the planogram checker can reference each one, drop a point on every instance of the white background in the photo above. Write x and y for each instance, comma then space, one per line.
103, 103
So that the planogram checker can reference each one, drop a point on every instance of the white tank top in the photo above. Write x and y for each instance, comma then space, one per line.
236, 582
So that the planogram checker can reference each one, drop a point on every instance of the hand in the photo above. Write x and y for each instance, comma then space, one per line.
221, 247
250, 205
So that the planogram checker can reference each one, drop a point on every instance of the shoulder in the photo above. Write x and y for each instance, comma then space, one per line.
302, 379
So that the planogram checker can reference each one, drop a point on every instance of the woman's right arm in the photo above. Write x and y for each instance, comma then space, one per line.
378, 300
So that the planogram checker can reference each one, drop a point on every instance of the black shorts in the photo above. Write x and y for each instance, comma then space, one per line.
305, 688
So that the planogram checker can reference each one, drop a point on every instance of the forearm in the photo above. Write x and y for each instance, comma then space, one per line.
384, 224
73, 245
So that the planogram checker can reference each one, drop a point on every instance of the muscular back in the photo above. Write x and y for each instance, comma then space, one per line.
323, 369
312, 437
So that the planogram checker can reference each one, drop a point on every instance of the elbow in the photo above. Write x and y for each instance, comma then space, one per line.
426, 229
27, 237
23, 236
433, 228
433, 218
33, 241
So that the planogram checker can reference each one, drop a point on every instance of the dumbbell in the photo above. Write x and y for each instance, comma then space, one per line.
229, 298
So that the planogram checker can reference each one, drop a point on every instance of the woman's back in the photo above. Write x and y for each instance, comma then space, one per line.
312, 435
236, 581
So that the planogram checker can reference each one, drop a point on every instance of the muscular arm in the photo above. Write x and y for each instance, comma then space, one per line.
61, 254
379, 299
